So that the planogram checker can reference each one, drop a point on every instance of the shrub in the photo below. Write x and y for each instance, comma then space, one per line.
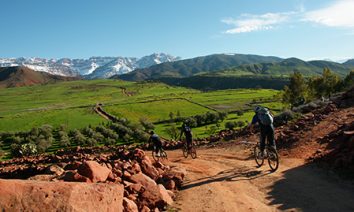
230, 125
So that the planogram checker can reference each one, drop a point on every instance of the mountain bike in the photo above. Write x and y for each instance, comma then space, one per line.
157, 157
269, 153
189, 151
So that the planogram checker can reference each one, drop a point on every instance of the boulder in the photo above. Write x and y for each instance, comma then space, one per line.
149, 169
24, 195
165, 196
94, 171
54, 169
129, 205
73, 176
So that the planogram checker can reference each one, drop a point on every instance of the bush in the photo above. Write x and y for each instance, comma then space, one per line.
230, 125
172, 131
64, 140
284, 117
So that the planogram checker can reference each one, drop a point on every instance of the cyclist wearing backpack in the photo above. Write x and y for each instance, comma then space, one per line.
265, 121
156, 141
186, 130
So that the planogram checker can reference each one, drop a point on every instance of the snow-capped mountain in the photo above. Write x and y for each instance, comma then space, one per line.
123, 65
94, 67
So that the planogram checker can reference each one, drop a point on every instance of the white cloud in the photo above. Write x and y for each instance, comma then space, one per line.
338, 14
249, 23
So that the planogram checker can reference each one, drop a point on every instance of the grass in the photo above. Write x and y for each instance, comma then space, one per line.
70, 103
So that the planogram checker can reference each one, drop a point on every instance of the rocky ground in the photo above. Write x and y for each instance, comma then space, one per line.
136, 182
224, 177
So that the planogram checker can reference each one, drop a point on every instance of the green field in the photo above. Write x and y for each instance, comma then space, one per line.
70, 104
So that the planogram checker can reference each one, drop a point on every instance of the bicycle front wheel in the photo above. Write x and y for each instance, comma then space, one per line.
163, 154
259, 158
273, 159
185, 151
193, 153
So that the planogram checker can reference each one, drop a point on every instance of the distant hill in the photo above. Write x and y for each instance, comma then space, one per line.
349, 63
285, 68
195, 66
18, 76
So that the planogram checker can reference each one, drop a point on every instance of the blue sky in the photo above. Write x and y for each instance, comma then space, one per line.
307, 29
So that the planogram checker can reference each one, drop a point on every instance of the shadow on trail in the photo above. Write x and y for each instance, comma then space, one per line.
309, 188
235, 174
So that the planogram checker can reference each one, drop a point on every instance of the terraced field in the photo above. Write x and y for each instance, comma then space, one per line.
70, 104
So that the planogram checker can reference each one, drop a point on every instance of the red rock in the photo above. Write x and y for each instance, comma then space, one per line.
25, 195
135, 188
43, 177
72, 166
72, 176
149, 169
54, 169
136, 168
129, 205
170, 184
94, 171
145, 209
164, 195
152, 197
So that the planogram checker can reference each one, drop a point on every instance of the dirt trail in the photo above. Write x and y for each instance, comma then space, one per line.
226, 179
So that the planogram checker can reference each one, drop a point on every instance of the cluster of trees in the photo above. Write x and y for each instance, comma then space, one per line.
200, 119
39, 139
301, 90
234, 124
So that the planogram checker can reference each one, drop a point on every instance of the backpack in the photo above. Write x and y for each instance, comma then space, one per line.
187, 131
264, 116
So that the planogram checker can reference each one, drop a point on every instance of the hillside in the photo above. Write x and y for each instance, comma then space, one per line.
235, 65
22, 76
286, 67
194, 66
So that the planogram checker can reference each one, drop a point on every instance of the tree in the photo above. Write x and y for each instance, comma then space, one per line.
147, 125
331, 81
230, 125
172, 131
349, 80
295, 93
324, 85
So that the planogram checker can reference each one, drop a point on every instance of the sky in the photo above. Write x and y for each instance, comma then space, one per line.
306, 29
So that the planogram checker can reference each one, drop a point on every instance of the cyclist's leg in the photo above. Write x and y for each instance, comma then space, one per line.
189, 142
262, 139
270, 137
157, 148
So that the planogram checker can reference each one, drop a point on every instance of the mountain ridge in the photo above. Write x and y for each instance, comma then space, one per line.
18, 76
87, 67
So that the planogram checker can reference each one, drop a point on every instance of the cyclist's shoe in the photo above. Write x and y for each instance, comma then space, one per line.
158, 154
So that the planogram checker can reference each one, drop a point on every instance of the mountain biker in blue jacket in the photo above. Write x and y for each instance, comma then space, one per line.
156, 141
186, 130
266, 127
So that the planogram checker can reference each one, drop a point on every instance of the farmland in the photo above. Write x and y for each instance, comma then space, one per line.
70, 104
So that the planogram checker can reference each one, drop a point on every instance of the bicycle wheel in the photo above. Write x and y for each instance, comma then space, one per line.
154, 156
258, 156
163, 154
273, 159
185, 151
193, 152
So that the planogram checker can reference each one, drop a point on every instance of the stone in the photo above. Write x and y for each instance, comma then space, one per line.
129, 205
54, 169
94, 171
24, 195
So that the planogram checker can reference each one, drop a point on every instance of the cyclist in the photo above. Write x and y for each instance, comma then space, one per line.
186, 130
156, 141
265, 121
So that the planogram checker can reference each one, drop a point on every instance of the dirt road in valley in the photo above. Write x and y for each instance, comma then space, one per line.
227, 179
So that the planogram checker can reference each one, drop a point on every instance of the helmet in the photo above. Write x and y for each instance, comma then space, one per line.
152, 132
257, 108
